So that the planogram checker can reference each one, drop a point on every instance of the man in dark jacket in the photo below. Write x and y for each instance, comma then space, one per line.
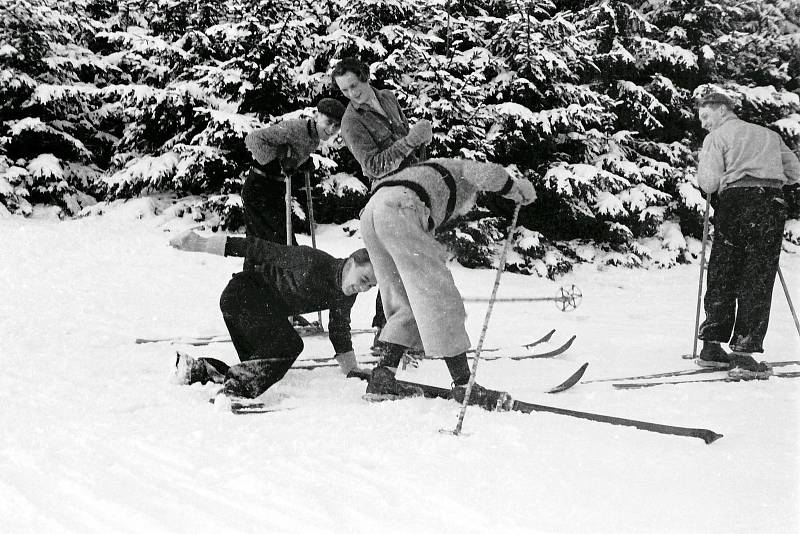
282, 281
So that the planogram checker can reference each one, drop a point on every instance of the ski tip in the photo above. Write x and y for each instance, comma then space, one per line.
709, 436
571, 381
543, 339
244, 410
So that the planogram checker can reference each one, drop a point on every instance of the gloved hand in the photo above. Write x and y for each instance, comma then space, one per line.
287, 159
307, 166
190, 241
522, 191
420, 134
791, 194
347, 362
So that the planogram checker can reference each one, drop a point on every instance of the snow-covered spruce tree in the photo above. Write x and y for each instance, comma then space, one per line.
433, 55
590, 100
603, 98
177, 123
46, 99
209, 87
750, 50
555, 123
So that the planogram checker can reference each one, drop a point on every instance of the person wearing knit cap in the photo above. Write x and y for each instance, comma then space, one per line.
279, 149
424, 310
746, 166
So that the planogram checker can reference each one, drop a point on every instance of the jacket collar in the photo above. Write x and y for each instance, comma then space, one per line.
339, 272
311, 128
380, 94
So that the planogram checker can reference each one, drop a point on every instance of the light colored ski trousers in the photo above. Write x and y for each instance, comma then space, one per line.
423, 306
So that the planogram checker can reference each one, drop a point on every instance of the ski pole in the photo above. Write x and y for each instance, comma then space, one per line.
789, 300
567, 298
287, 178
700, 282
311, 225
463, 412
288, 199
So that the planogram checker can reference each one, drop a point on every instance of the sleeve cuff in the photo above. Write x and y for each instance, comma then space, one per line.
507, 187
236, 246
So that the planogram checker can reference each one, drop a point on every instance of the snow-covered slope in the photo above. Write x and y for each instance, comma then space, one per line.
95, 438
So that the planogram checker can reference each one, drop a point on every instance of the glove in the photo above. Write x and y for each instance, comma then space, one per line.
791, 194
307, 166
420, 134
286, 159
347, 362
522, 191
190, 241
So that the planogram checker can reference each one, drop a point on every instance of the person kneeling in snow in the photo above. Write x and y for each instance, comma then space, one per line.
424, 309
281, 281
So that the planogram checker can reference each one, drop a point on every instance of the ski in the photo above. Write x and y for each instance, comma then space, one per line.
365, 374
256, 407
708, 436
544, 339
245, 406
316, 363
640, 385
411, 359
685, 372
571, 381
549, 354
304, 331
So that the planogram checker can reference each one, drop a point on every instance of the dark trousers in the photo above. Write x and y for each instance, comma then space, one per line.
265, 341
264, 203
748, 234
380, 317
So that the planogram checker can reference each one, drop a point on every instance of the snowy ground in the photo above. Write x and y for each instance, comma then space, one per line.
95, 438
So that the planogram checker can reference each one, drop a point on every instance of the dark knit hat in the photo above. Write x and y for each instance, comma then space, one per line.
332, 108
716, 99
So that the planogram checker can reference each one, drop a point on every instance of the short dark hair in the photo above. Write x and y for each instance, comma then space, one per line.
351, 64
360, 256
715, 100
331, 108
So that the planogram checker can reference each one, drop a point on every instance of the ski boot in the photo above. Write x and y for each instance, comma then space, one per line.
488, 399
745, 367
384, 386
712, 355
